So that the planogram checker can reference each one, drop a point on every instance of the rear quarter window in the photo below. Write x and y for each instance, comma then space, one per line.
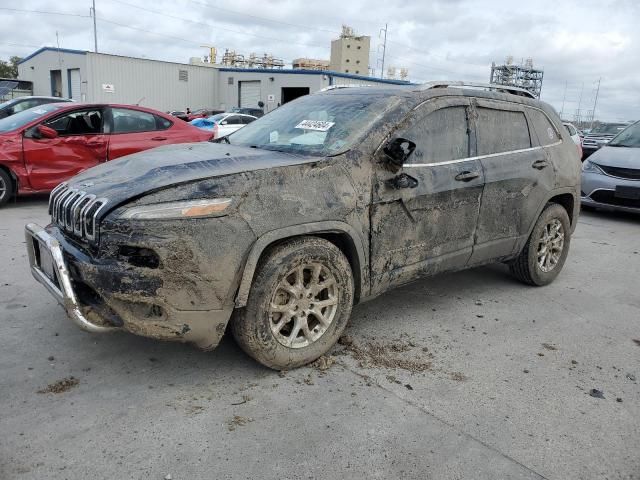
547, 133
502, 131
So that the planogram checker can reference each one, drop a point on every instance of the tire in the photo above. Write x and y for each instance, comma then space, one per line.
527, 267
6, 187
268, 328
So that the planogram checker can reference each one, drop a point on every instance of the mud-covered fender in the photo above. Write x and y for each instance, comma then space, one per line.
575, 195
273, 236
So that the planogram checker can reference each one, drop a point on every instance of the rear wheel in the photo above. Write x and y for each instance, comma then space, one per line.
6, 187
298, 306
546, 250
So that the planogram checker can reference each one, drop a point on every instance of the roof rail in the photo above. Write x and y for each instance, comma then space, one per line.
523, 92
335, 87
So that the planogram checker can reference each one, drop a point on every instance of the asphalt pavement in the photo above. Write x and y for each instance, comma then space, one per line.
469, 375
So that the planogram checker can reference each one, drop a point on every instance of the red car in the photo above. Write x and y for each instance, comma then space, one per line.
45, 145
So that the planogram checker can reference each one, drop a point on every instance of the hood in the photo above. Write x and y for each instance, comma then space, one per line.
621, 157
151, 170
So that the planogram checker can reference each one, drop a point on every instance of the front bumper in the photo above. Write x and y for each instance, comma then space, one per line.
41, 246
599, 191
48, 264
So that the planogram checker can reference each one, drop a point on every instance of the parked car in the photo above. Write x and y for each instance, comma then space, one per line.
19, 104
256, 112
43, 146
599, 136
611, 176
331, 199
223, 124
574, 133
201, 113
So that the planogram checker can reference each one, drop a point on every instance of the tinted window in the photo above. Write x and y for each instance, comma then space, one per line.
233, 120
131, 121
85, 122
629, 137
440, 136
547, 134
501, 131
162, 123
247, 120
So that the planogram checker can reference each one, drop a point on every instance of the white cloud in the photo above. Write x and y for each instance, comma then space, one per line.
575, 42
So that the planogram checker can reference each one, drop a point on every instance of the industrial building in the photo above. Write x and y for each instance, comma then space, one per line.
104, 78
350, 53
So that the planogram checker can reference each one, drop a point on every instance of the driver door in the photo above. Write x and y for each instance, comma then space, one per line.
80, 144
429, 225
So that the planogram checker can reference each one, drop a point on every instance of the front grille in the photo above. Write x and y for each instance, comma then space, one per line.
608, 197
628, 173
76, 211
596, 140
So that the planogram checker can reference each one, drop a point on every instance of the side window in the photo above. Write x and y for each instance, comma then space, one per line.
247, 120
162, 123
85, 122
132, 121
440, 136
547, 134
234, 120
501, 131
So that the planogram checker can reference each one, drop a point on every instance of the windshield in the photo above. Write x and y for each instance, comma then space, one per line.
8, 103
629, 137
217, 118
315, 124
609, 128
26, 116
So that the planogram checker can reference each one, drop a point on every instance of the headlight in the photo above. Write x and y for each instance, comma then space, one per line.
185, 209
591, 167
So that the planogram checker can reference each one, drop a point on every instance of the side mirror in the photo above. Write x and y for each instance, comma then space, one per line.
397, 152
46, 132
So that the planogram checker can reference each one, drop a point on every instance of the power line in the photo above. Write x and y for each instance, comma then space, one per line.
297, 25
148, 31
44, 12
211, 25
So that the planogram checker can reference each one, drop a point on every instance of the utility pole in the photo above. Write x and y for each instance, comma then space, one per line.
595, 102
564, 97
384, 47
580, 106
95, 30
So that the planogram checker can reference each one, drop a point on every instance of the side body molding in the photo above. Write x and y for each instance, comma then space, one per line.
295, 231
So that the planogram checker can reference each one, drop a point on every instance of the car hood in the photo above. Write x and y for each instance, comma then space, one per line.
151, 170
622, 157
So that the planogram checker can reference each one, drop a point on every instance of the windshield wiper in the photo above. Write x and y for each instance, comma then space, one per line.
220, 140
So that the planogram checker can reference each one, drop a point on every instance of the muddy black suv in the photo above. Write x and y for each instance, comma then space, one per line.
280, 228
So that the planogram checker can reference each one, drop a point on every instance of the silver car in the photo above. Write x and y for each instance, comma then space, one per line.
611, 176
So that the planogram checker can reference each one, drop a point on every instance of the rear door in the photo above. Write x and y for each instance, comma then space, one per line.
81, 144
136, 130
518, 177
428, 228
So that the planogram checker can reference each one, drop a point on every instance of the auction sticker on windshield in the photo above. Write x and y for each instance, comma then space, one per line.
318, 125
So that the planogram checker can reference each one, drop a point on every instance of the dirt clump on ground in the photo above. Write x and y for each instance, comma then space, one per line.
458, 376
61, 386
324, 362
374, 354
238, 421
549, 346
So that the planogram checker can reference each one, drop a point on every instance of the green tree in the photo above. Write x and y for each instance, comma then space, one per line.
9, 69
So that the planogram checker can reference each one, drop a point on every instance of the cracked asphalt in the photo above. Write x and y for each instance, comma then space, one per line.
504, 392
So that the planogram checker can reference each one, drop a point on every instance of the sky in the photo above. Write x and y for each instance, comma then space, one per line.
576, 42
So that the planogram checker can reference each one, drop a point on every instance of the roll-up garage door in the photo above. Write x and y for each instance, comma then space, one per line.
249, 93
74, 84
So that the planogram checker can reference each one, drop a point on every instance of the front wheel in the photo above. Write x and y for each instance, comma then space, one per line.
546, 250
6, 187
298, 306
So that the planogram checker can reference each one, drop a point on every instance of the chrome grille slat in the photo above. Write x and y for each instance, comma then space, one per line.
76, 211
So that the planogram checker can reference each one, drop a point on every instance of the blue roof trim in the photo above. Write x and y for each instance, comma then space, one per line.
51, 49
316, 72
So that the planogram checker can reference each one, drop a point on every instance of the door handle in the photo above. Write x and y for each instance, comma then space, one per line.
467, 176
158, 139
540, 164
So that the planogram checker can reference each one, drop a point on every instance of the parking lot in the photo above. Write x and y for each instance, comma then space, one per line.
466, 375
